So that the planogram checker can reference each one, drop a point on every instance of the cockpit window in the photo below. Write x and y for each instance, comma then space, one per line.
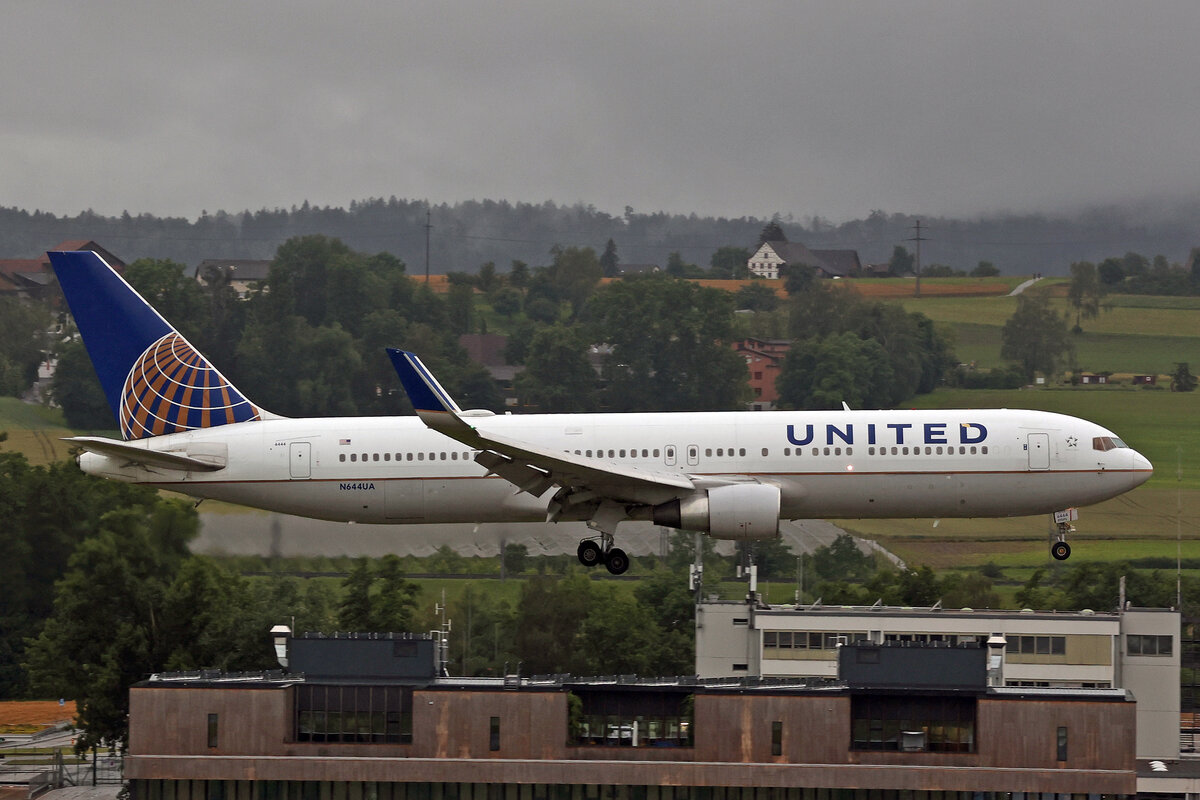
1107, 443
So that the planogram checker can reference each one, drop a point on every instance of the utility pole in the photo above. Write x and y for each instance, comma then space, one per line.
428, 228
918, 239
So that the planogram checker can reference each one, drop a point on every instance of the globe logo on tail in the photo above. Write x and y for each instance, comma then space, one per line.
172, 388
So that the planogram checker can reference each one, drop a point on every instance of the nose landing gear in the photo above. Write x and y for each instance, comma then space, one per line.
1062, 520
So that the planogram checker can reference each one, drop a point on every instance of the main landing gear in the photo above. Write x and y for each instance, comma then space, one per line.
592, 553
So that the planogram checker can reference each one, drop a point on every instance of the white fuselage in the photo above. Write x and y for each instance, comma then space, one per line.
828, 464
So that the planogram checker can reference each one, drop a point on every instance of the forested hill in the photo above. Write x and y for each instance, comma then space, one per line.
465, 235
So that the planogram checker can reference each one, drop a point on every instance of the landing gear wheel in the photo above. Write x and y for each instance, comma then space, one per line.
1060, 550
617, 562
589, 553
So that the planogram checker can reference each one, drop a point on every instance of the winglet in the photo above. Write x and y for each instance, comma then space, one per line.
424, 391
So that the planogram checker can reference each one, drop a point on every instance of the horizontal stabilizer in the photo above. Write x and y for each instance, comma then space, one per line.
140, 454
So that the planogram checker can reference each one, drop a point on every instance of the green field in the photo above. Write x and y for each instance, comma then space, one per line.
1135, 334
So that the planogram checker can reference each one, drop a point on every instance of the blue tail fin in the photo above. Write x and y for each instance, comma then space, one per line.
155, 381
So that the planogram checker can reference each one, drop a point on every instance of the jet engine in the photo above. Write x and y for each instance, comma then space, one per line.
741, 511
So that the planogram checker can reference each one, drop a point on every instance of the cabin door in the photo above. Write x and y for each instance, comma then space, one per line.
300, 457
1038, 446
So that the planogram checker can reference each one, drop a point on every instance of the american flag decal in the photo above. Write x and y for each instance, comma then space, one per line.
173, 388
343, 441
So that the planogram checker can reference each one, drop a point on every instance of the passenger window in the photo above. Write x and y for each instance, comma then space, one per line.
764, 452
826, 451
742, 452
939, 451
983, 450
646, 453
708, 452
816, 451
787, 451
656, 452
375, 456
849, 451
972, 449
837, 451
420, 456
720, 452
904, 450
408, 457
341, 457
622, 454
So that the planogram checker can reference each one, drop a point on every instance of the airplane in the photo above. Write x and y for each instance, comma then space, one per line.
732, 475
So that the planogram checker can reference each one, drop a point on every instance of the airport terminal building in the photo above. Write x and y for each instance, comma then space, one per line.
367, 718
1137, 650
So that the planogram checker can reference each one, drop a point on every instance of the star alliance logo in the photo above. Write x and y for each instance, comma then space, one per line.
1072, 441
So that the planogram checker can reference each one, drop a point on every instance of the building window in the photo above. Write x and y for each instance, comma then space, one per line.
913, 724
212, 730
1037, 645
494, 734
363, 714
1136, 645
619, 719
777, 738
776, 641
1062, 744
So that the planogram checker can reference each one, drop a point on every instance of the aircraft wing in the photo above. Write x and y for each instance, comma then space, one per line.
144, 456
529, 467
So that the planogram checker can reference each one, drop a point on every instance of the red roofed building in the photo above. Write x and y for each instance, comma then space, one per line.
29, 277
764, 360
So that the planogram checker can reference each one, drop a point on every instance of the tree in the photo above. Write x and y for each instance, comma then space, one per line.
902, 262
1084, 292
1035, 336
549, 616
175, 294
842, 560
106, 631
558, 376
76, 389
729, 262
388, 609
985, 269
515, 558
609, 262
1182, 380
665, 594
822, 373
756, 297
669, 345
23, 343
772, 232
47, 512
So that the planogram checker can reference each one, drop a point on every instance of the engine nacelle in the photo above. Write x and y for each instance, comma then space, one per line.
741, 511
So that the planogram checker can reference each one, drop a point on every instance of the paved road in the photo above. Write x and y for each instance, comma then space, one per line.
258, 533
1023, 286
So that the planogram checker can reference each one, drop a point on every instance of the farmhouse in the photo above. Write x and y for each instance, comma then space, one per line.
770, 256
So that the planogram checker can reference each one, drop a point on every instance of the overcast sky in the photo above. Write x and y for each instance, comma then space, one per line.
733, 108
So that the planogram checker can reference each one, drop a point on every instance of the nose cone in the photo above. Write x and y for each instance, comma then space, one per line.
1142, 468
